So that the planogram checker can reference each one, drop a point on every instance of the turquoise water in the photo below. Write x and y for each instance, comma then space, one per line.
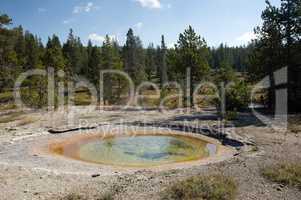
143, 150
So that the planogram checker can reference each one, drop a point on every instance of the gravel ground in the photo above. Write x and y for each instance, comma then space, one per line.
26, 175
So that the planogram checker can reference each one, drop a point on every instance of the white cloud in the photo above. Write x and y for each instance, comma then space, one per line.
139, 25
40, 10
94, 37
246, 37
154, 4
113, 37
85, 8
68, 21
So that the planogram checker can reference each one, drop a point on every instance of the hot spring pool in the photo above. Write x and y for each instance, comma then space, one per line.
135, 151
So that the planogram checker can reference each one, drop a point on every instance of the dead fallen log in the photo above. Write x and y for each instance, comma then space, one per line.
56, 131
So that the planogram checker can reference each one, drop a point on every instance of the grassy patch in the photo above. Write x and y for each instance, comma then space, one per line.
6, 97
26, 120
82, 98
10, 117
74, 196
287, 174
294, 124
255, 149
9, 106
107, 196
295, 129
147, 102
215, 187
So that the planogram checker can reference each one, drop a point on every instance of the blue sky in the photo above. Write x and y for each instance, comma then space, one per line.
228, 21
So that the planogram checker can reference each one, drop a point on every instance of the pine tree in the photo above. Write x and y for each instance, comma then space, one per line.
54, 55
133, 55
94, 63
290, 21
84, 59
32, 54
268, 48
278, 45
238, 57
191, 52
8, 55
4, 20
111, 60
20, 45
72, 53
151, 62
225, 73
163, 64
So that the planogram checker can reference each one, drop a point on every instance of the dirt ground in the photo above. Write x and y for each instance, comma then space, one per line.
25, 174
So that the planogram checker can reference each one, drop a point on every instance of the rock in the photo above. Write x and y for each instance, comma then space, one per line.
95, 175
236, 154
281, 186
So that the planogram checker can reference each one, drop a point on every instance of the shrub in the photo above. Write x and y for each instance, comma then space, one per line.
82, 98
34, 92
170, 102
237, 96
231, 115
287, 174
215, 187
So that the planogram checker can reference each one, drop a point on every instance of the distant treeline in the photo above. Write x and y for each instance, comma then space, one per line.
21, 50
277, 44
237, 57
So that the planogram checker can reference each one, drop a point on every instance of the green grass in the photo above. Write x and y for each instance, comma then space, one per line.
286, 174
107, 196
10, 117
294, 124
148, 102
8, 106
255, 149
74, 196
214, 187
82, 99
6, 97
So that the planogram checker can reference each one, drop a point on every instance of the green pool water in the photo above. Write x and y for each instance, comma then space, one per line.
139, 151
